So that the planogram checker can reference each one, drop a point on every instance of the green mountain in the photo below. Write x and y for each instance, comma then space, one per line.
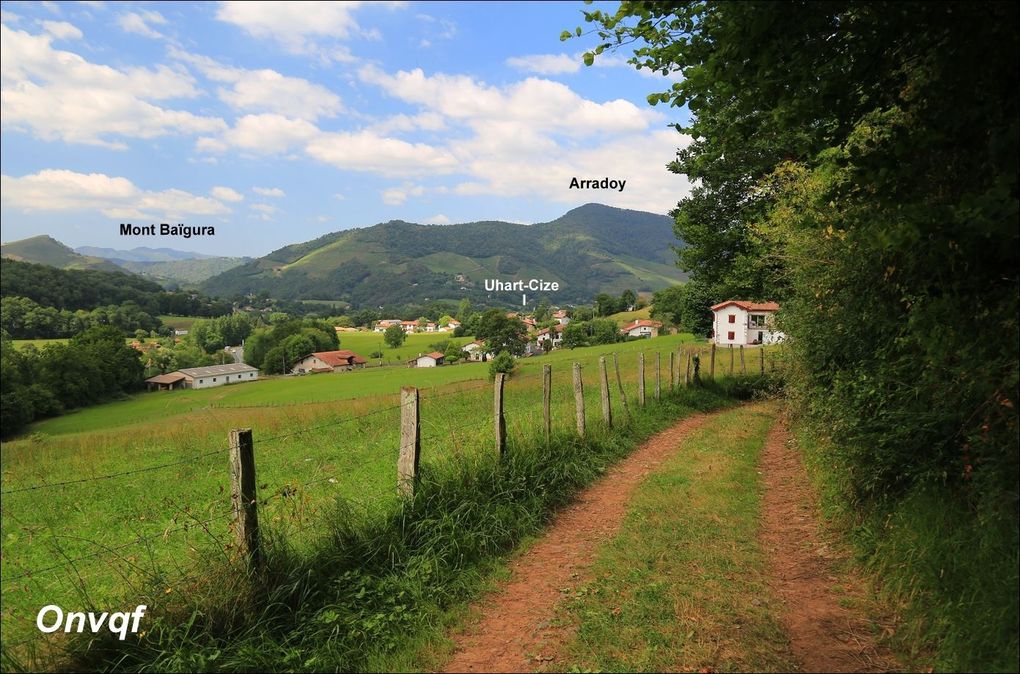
47, 250
182, 272
141, 254
591, 249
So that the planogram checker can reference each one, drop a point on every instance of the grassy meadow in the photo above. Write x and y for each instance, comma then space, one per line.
365, 343
313, 443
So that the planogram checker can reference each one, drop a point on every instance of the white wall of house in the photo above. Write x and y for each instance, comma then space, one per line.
644, 331
747, 327
425, 361
210, 381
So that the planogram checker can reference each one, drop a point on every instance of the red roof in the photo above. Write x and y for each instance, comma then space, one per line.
435, 355
641, 323
748, 306
339, 358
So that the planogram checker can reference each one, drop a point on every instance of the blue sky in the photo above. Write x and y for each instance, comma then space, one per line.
279, 122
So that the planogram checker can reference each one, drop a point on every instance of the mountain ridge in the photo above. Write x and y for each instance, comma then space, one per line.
590, 249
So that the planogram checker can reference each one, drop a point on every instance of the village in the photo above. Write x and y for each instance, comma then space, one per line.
735, 323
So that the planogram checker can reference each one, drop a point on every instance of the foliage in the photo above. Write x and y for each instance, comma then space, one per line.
686, 306
74, 289
93, 366
23, 318
503, 362
215, 334
833, 176
275, 350
394, 336
501, 332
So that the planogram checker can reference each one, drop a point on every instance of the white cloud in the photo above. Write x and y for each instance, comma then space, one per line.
262, 134
395, 196
116, 197
226, 194
269, 191
266, 90
58, 95
138, 23
265, 211
300, 27
438, 219
545, 64
366, 151
62, 30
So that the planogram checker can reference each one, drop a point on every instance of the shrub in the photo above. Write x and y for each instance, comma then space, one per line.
503, 362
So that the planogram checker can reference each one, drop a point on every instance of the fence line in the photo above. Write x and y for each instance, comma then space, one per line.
244, 500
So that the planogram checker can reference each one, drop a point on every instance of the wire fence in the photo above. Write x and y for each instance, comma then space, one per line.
439, 426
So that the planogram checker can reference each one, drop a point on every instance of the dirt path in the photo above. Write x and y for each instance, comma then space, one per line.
825, 636
515, 633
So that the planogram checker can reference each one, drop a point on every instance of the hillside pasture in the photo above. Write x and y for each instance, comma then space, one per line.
165, 512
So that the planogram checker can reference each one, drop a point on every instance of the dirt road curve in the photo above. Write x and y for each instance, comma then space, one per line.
514, 634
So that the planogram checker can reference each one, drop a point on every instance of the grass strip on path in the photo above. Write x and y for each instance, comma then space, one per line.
683, 587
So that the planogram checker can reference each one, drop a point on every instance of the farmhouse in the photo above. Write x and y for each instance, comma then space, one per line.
742, 322
561, 317
328, 361
203, 377
433, 359
385, 323
642, 328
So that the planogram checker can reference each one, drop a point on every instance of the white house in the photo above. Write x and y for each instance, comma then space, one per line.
381, 326
433, 359
741, 322
561, 317
642, 328
476, 351
554, 335
206, 377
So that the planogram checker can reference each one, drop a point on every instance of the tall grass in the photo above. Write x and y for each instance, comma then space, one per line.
951, 576
376, 581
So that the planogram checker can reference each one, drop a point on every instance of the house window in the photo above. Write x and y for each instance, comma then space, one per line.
214, 378
201, 381
733, 318
758, 321
730, 336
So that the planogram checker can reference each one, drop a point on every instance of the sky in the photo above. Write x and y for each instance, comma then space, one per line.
276, 123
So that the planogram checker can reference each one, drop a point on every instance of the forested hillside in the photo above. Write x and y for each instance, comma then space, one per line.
589, 250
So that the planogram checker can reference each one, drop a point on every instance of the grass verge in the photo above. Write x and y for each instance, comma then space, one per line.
949, 576
375, 590
682, 587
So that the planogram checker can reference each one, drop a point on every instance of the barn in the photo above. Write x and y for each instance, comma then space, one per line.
203, 377
328, 361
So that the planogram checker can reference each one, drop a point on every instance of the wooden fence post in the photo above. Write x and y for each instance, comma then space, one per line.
641, 380
731, 360
672, 372
607, 409
547, 400
410, 442
761, 352
696, 378
579, 399
687, 371
243, 496
743, 365
711, 365
497, 413
619, 383
658, 376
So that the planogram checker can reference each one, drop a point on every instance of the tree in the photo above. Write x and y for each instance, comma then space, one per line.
453, 352
542, 311
627, 300
394, 336
603, 331
502, 333
464, 311
575, 334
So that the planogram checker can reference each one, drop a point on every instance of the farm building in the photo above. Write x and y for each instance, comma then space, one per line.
203, 377
328, 361
561, 317
381, 326
642, 328
741, 322
433, 359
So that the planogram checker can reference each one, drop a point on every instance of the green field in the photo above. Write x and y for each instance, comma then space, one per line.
180, 322
312, 444
364, 343
625, 317
38, 343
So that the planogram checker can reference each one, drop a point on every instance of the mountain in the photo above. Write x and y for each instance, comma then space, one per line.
166, 265
141, 254
591, 249
47, 250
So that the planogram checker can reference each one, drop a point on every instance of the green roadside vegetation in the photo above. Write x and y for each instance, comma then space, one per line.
683, 585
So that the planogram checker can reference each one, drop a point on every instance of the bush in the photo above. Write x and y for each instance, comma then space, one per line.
503, 362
